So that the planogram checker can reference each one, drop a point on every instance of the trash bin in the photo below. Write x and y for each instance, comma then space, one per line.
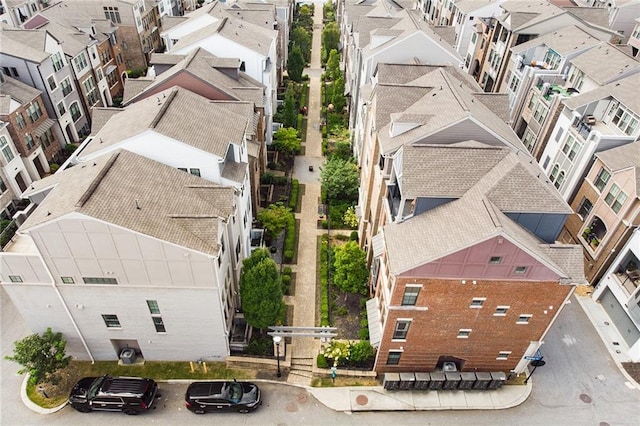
452, 380
482, 380
437, 380
407, 381
467, 379
497, 380
128, 356
391, 381
422, 381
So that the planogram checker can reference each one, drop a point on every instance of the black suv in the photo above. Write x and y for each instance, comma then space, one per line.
202, 397
131, 395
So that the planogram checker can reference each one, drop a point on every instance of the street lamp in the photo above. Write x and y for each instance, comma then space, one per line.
277, 340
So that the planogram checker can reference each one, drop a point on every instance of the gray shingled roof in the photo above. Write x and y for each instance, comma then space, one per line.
26, 44
14, 89
624, 90
178, 114
617, 63
216, 72
563, 41
122, 189
521, 14
623, 157
448, 101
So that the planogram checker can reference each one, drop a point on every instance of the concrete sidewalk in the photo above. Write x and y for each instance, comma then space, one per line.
362, 398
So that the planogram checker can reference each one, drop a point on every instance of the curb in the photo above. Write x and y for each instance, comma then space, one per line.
32, 405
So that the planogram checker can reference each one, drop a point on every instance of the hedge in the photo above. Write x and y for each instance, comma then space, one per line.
290, 239
324, 296
293, 197
299, 123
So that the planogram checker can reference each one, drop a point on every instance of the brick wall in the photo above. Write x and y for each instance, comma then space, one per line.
433, 332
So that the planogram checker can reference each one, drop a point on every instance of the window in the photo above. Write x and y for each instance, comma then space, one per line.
182, 169
153, 307
615, 198
560, 179
585, 208
20, 120
602, 179
91, 91
10, 71
46, 138
159, 324
625, 120
464, 333
503, 355
524, 319
495, 260
237, 246
75, 111
520, 270
112, 79
111, 321
394, 357
15, 278
546, 162
80, 62
34, 112
66, 87
195, 172
401, 330
67, 280
501, 311
61, 108
113, 14
52, 82
529, 139
554, 173
477, 302
58, 63
6, 149
99, 280
30, 142
3, 186
410, 295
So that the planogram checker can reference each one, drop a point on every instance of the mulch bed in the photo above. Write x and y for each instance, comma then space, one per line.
633, 368
347, 321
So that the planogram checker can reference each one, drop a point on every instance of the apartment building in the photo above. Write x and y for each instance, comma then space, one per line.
37, 59
14, 179
112, 263
460, 226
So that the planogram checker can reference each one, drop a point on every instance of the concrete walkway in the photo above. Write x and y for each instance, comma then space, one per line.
304, 302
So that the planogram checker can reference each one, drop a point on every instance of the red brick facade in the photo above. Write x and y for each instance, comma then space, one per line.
433, 332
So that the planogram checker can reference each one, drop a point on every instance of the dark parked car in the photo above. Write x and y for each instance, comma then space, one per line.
202, 397
131, 395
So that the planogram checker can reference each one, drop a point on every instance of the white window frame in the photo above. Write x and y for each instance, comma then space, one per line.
477, 302
503, 356
524, 321
464, 333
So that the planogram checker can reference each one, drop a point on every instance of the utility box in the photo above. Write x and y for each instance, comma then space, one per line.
437, 380
452, 380
482, 380
391, 381
497, 380
422, 381
467, 380
128, 356
407, 381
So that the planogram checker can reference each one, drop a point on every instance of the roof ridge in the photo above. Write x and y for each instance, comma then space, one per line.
455, 93
96, 181
164, 108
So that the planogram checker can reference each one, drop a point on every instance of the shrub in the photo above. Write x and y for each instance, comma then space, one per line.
286, 279
54, 167
341, 237
354, 236
266, 178
290, 239
364, 334
293, 197
361, 352
286, 270
70, 148
299, 123
288, 255
321, 361
279, 180
260, 346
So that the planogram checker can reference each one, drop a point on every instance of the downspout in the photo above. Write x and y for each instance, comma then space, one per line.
66, 308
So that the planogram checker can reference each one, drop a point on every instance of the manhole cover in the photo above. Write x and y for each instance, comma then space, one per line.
362, 400
292, 407
603, 424
585, 398
303, 397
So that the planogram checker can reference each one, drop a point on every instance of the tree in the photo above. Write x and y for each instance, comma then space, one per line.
290, 113
274, 218
295, 65
261, 290
333, 65
350, 264
300, 37
342, 149
286, 140
41, 356
305, 17
331, 36
338, 99
350, 219
340, 178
